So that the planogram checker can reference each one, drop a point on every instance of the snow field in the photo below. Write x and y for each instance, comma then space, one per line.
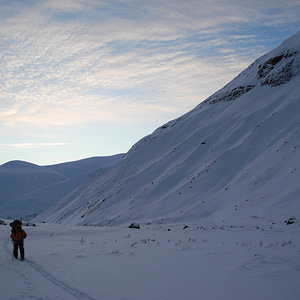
199, 262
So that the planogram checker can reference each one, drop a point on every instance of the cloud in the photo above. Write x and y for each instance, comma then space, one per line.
65, 63
29, 145
80, 75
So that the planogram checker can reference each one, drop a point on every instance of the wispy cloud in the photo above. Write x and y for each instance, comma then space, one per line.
65, 63
18, 146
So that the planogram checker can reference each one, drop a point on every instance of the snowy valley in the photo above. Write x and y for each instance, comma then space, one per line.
215, 191
157, 262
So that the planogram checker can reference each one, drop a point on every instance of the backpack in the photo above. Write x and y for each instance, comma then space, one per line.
15, 223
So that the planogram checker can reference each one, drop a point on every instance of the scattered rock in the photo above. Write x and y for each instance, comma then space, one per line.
273, 75
134, 226
290, 221
230, 95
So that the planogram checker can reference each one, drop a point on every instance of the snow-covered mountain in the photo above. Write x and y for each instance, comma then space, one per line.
27, 189
235, 156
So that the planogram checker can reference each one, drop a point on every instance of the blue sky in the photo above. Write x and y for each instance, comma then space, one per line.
86, 78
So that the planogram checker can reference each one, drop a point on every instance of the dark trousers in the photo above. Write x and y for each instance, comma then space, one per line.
19, 244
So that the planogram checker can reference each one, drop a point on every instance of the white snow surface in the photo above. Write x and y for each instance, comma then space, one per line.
234, 157
203, 261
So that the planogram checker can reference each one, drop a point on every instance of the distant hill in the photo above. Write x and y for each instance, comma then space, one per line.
235, 156
27, 189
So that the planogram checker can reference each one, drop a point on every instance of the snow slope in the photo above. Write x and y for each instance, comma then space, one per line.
234, 157
27, 189
204, 261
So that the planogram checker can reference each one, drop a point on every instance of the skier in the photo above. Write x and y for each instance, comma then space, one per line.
18, 235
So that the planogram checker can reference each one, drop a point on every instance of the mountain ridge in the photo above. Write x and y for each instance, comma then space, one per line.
232, 156
27, 189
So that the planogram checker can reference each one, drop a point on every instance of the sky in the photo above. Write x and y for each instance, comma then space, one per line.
83, 78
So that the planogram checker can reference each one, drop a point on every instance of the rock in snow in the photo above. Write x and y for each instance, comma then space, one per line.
234, 156
134, 226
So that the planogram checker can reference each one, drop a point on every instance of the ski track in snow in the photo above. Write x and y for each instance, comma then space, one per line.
58, 283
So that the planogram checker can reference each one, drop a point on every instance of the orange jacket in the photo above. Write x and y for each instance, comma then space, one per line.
18, 234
